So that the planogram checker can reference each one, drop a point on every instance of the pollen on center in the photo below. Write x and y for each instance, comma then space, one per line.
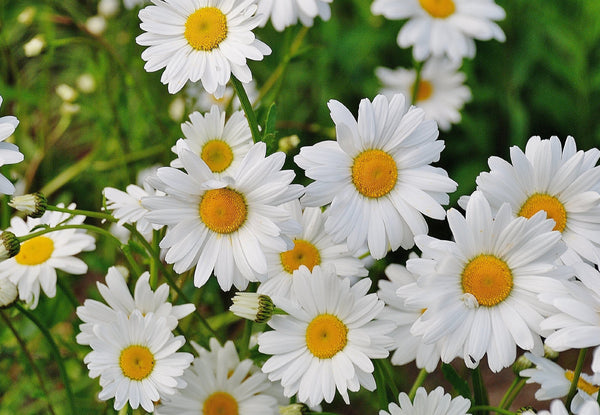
223, 210
488, 279
326, 335
440, 9
551, 205
374, 173
136, 362
217, 154
206, 28
35, 251
220, 403
303, 253
424, 90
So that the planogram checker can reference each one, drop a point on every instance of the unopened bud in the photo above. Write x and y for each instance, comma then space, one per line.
9, 245
550, 353
33, 205
521, 363
253, 306
526, 410
294, 409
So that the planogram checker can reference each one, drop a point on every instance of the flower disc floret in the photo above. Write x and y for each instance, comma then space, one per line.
374, 173
551, 205
223, 210
136, 362
440, 9
220, 403
35, 251
217, 154
206, 28
488, 279
303, 253
326, 335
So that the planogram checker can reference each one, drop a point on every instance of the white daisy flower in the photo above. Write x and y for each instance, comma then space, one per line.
224, 223
218, 383
555, 381
136, 360
563, 182
221, 144
436, 402
284, 13
486, 283
127, 207
313, 246
200, 40
36, 263
441, 91
558, 408
119, 299
327, 339
9, 153
407, 347
377, 175
198, 99
443, 27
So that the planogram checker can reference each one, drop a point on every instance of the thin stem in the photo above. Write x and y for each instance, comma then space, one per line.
487, 408
576, 374
35, 369
509, 392
87, 213
55, 352
67, 291
479, 390
154, 259
415, 89
245, 341
388, 375
514, 394
247, 107
418, 382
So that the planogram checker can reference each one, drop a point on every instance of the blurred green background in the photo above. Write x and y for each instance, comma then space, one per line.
544, 80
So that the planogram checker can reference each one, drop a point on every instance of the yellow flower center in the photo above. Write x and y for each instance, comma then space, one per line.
217, 155
326, 335
582, 384
35, 251
223, 210
439, 9
424, 90
374, 173
136, 362
488, 279
303, 253
553, 207
220, 403
206, 28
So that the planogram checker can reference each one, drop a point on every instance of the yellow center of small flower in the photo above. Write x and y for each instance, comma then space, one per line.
326, 335
439, 9
374, 173
206, 28
223, 210
217, 155
35, 251
488, 279
220, 403
582, 384
136, 362
553, 207
424, 90
303, 253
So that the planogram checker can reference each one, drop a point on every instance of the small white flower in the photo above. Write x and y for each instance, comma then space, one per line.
35, 46
437, 402
127, 207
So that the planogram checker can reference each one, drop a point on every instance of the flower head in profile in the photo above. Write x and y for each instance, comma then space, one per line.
327, 339
200, 40
284, 13
219, 383
377, 175
224, 223
9, 153
486, 283
118, 299
136, 359
441, 91
35, 265
441, 28
436, 402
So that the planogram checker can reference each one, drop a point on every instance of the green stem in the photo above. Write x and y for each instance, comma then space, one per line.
514, 394
486, 408
35, 369
69, 173
418, 382
245, 341
415, 88
55, 352
576, 374
479, 391
154, 260
67, 291
388, 376
509, 391
87, 213
247, 107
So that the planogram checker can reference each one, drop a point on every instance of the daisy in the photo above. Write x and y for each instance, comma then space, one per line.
9, 153
555, 381
136, 360
312, 247
36, 263
558, 408
377, 175
197, 98
327, 339
224, 223
559, 180
119, 299
485, 283
443, 27
218, 383
221, 144
407, 347
441, 91
284, 13
200, 40
436, 402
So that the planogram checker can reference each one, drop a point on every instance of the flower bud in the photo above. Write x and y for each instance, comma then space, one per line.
294, 409
9, 245
521, 363
550, 353
33, 205
252, 306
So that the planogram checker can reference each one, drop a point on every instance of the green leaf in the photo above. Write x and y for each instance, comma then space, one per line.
459, 384
270, 135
